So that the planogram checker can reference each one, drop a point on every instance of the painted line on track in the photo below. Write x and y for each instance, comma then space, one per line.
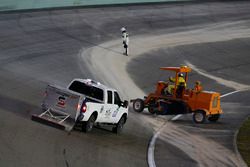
176, 117
230, 93
151, 147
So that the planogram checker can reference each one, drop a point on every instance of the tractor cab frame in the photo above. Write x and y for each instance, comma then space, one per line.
203, 104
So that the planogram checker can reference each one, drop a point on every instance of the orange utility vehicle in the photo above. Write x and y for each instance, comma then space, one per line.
203, 104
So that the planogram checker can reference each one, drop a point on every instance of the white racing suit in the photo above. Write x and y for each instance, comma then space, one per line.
125, 41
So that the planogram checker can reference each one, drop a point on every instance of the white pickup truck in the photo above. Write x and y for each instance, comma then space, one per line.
84, 102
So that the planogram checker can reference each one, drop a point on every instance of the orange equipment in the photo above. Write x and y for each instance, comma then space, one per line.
203, 104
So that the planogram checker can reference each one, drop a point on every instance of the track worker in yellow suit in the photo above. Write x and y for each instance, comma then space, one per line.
181, 82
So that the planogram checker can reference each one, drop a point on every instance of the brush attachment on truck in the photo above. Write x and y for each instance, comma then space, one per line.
57, 119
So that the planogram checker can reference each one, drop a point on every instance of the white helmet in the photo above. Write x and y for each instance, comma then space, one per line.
181, 75
123, 29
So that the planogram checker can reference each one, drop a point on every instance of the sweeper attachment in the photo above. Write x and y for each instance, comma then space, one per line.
60, 107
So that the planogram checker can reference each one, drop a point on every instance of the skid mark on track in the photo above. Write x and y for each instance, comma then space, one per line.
65, 159
196, 147
231, 84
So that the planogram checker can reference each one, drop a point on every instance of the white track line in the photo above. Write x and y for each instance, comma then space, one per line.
225, 82
230, 93
151, 147
176, 117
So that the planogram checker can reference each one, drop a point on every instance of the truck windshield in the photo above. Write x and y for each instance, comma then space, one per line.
87, 90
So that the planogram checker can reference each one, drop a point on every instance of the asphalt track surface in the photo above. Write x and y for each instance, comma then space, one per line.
37, 48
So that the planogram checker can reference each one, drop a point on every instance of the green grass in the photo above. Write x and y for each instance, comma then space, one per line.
243, 141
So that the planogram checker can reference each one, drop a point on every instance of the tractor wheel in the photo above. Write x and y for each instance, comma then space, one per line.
88, 125
178, 107
138, 105
199, 116
151, 109
214, 118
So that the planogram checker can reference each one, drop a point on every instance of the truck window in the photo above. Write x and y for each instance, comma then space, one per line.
215, 102
110, 98
87, 90
117, 99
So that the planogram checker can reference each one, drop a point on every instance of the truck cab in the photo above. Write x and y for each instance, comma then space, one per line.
101, 102
84, 102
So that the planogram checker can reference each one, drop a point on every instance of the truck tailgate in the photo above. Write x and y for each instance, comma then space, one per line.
60, 107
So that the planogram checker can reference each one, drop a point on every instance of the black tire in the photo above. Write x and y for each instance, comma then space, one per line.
119, 126
88, 125
151, 109
177, 107
199, 116
138, 105
214, 118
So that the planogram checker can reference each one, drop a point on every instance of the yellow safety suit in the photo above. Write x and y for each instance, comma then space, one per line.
181, 81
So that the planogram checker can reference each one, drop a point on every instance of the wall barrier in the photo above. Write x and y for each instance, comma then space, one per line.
10, 5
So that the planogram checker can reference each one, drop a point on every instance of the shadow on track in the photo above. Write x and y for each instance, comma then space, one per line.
18, 107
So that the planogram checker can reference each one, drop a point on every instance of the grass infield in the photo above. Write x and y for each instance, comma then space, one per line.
243, 141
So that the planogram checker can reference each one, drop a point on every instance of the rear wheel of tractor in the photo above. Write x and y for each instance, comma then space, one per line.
151, 109
199, 116
214, 118
88, 125
119, 126
138, 105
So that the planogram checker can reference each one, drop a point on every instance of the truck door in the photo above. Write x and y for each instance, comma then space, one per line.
108, 109
116, 114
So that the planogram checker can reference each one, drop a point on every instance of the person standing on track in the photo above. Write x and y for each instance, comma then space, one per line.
125, 40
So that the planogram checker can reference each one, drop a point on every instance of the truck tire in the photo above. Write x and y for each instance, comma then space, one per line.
119, 126
199, 116
88, 125
214, 118
138, 105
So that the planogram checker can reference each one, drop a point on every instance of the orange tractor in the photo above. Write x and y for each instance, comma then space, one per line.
180, 100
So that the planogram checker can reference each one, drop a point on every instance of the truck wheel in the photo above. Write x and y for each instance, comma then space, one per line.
119, 126
88, 125
199, 116
214, 118
138, 105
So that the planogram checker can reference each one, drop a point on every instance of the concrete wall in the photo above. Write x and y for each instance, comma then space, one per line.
6, 5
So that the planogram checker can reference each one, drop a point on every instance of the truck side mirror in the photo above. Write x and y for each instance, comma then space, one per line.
125, 103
